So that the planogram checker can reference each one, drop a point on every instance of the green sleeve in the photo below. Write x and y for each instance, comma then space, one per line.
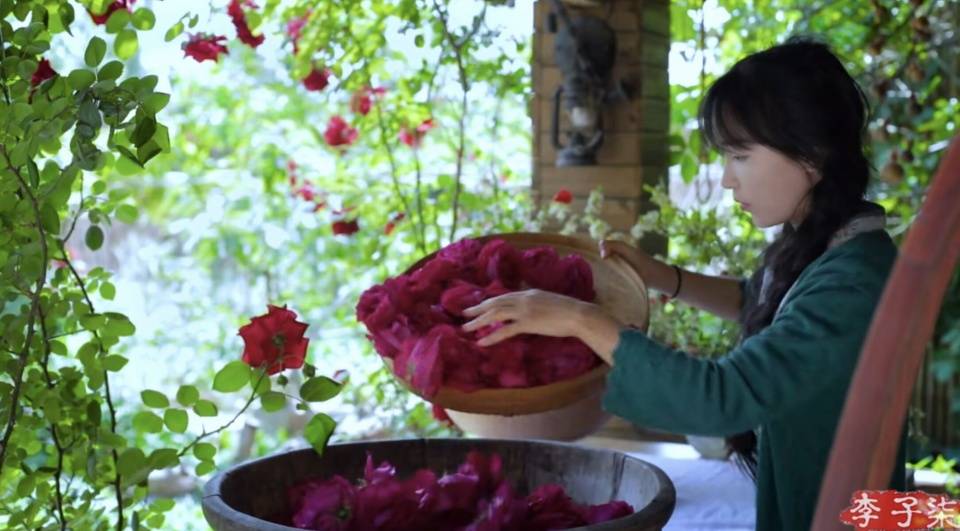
813, 343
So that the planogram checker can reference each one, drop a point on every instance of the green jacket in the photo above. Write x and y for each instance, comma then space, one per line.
789, 380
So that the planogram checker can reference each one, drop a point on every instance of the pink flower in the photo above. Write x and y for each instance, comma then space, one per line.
317, 79
326, 505
414, 137
345, 227
239, 18
43, 72
476, 497
563, 196
204, 47
306, 191
414, 319
275, 340
339, 133
295, 29
362, 100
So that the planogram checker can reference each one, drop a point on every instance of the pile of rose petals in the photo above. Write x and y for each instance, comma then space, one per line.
476, 497
415, 319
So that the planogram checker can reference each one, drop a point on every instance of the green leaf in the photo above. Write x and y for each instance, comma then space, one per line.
127, 214
126, 44
96, 50
319, 389
94, 238
110, 71
260, 383
26, 68
173, 32
144, 131
176, 419
131, 461
49, 219
153, 398
26, 486
205, 467
188, 395
144, 19
418, 41
163, 504
80, 79
232, 377
108, 291
118, 325
155, 102
273, 401
205, 451
93, 322
114, 362
205, 408
148, 422
318, 431
164, 458
118, 20
129, 155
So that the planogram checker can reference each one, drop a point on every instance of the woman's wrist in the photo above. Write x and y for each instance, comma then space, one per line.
663, 277
598, 329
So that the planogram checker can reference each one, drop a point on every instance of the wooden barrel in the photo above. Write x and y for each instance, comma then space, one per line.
253, 495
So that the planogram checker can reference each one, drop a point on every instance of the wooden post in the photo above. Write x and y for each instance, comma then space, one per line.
634, 152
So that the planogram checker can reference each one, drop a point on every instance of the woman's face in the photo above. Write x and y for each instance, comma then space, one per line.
770, 186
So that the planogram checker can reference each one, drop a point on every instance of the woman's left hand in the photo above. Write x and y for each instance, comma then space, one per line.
548, 314
525, 312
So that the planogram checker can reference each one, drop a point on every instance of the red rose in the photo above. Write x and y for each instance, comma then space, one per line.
413, 138
326, 505
345, 228
239, 18
43, 72
318, 79
339, 132
475, 497
274, 340
115, 6
295, 29
362, 100
203, 48
563, 196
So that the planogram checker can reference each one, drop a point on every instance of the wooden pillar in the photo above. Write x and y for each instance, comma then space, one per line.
635, 149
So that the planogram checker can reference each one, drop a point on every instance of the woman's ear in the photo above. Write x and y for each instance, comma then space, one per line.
813, 174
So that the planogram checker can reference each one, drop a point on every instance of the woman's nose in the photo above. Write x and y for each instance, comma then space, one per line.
727, 180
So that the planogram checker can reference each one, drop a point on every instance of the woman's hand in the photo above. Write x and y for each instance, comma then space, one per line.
656, 274
548, 314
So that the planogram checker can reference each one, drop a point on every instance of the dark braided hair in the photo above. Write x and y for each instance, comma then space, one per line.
795, 98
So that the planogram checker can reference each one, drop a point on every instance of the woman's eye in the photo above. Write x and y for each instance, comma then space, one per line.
738, 158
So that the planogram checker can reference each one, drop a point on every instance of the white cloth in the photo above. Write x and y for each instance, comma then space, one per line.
712, 495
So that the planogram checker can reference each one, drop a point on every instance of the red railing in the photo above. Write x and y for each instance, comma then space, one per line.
865, 445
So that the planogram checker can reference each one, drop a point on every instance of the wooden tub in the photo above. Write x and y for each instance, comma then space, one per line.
253, 495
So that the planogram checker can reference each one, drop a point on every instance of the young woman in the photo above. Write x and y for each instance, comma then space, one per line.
790, 123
